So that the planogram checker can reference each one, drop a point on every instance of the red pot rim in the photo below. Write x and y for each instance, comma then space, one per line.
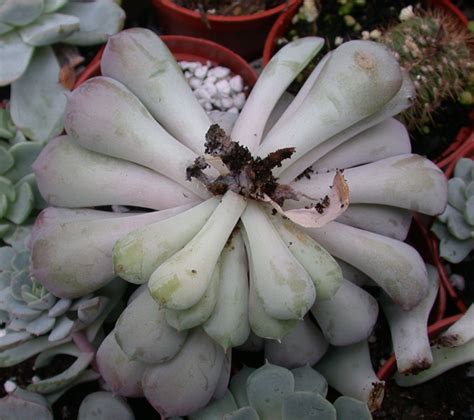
201, 45
225, 19
283, 19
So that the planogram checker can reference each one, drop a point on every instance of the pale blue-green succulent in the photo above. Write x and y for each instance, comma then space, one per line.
19, 195
28, 31
275, 393
455, 226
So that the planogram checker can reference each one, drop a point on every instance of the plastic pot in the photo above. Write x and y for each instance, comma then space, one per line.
283, 23
243, 34
185, 48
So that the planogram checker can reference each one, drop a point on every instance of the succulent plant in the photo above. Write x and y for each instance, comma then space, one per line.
28, 30
455, 226
273, 392
437, 52
19, 193
234, 243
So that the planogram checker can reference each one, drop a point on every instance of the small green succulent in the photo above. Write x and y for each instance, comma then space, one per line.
275, 393
28, 31
455, 226
19, 195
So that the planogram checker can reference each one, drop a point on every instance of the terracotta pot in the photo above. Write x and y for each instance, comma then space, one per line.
242, 34
189, 49
283, 23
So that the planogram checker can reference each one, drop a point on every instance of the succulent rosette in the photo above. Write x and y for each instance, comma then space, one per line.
37, 48
224, 236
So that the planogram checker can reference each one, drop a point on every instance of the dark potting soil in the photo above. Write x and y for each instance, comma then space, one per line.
229, 7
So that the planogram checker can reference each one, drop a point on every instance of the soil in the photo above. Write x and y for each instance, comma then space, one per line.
229, 7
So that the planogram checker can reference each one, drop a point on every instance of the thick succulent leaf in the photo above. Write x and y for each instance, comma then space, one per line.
55, 383
88, 375
444, 358
6, 159
456, 193
216, 409
223, 382
41, 325
469, 209
348, 408
3, 206
267, 388
309, 380
187, 382
19, 211
450, 248
355, 323
99, 20
51, 6
7, 254
5, 28
20, 12
15, 56
104, 405
60, 307
304, 344
89, 311
45, 357
21, 404
307, 406
62, 329
7, 189
143, 333
238, 385
458, 226
463, 169
11, 339
49, 29
20, 262
81, 178
244, 413
38, 98
122, 375
18, 354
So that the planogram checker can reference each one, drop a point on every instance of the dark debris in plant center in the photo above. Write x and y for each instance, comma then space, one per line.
246, 175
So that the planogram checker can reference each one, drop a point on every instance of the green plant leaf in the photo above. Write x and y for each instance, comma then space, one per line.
51, 6
307, 406
49, 29
20, 12
15, 56
99, 20
21, 208
348, 408
21, 404
6, 160
38, 99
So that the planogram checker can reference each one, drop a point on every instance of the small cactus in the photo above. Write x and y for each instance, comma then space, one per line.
455, 226
437, 52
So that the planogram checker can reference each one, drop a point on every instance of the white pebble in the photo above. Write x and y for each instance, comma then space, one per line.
201, 72
202, 93
3, 333
236, 83
210, 79
208, 106
227, 103
216, 102
195, 83
35, 379
239, 100
233, 110
219, 72
9, 386
223, 87
210, 88
457, 281
188, 74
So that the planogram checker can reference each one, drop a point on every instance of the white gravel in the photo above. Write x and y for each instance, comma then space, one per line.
216, 88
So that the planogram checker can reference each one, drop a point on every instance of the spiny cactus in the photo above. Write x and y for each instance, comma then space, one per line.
273, 392
19, 195
437, 52
455, 226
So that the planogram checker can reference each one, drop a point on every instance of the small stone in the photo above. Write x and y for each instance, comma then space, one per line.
188, 74
233, 110
3, 333
338, 41
365, 35
210, 79
457, 281
375, 34
195, 83
208, 106
406, 13
201, 72
239, 100
227, 103
219, 72
236, 83
210, 88
35, 379
202, 93
9, 386
223, 87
